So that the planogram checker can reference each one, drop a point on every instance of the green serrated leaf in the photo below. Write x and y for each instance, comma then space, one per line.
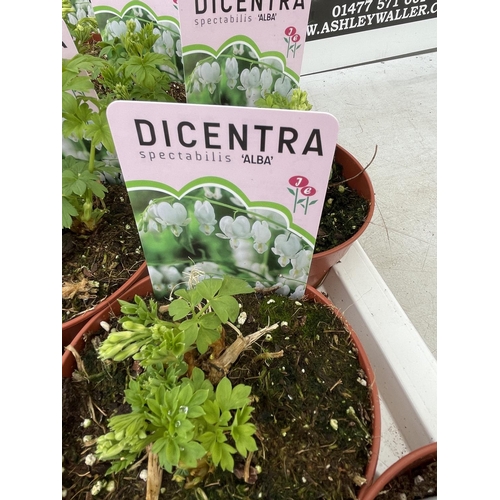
154, 406
72, 184
205, 338
234, 286
198, 398
183, 293
98, 189
243, 414
68, 212
239, 396
76, 124
208, 288
212, 412
226, 308
185, 395
199, 381
244, 444
195, 412
226, 460
98, 130
193, 297
224, 419
190, 454
69, 103
210, 321
216, 451
190, 333
223, 394
179, 309
168, 453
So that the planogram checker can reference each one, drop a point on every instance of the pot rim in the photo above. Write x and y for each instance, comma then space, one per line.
374, 393
369, 216
71, 327
412, 459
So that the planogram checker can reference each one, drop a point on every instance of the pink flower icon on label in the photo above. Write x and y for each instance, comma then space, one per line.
291, 39
302, 188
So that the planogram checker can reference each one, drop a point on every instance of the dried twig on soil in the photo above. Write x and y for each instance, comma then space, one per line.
359, 173
220, 367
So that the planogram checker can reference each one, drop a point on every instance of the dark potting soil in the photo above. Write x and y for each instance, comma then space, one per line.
96, 265
415, 484
297, 397
344, 212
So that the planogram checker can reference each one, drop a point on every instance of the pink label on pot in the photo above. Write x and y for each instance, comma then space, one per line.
232, 189
161, 8
236, 51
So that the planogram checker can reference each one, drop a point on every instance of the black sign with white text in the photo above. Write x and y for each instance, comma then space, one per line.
341, 17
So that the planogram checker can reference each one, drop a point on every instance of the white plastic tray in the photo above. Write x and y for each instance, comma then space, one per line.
405, 369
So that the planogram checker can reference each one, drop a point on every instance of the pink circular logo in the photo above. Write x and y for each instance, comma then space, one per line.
308, 191
298, 181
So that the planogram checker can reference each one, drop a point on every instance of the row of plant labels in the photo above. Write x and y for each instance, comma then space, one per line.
225, 188
230, 52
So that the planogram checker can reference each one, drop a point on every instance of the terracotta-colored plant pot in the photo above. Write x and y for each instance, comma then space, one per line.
73, 326
144, 287
370, 376
416, 458
323, 261
141, 287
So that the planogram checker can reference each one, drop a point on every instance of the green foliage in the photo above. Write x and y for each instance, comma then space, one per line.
77, 183
127, 68
218, 416
183, 417
297, 100
133, 70
219, 306
139, 311
84, 119
80, 29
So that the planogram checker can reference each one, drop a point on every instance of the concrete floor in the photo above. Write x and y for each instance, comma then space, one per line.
393, 105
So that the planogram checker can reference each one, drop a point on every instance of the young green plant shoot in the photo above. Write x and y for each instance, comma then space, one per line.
184, 416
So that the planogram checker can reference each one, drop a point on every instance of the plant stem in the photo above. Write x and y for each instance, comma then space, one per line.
89, 196
92, 156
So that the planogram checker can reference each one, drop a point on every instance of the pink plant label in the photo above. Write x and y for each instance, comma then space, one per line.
225, 189
236, 51
154, 9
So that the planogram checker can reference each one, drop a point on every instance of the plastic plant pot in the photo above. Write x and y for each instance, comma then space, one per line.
144, 288
71, 327
416, 458
323, 261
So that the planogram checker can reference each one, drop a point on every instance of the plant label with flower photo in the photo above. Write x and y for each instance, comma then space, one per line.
113, 15
225, 190
238, 51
